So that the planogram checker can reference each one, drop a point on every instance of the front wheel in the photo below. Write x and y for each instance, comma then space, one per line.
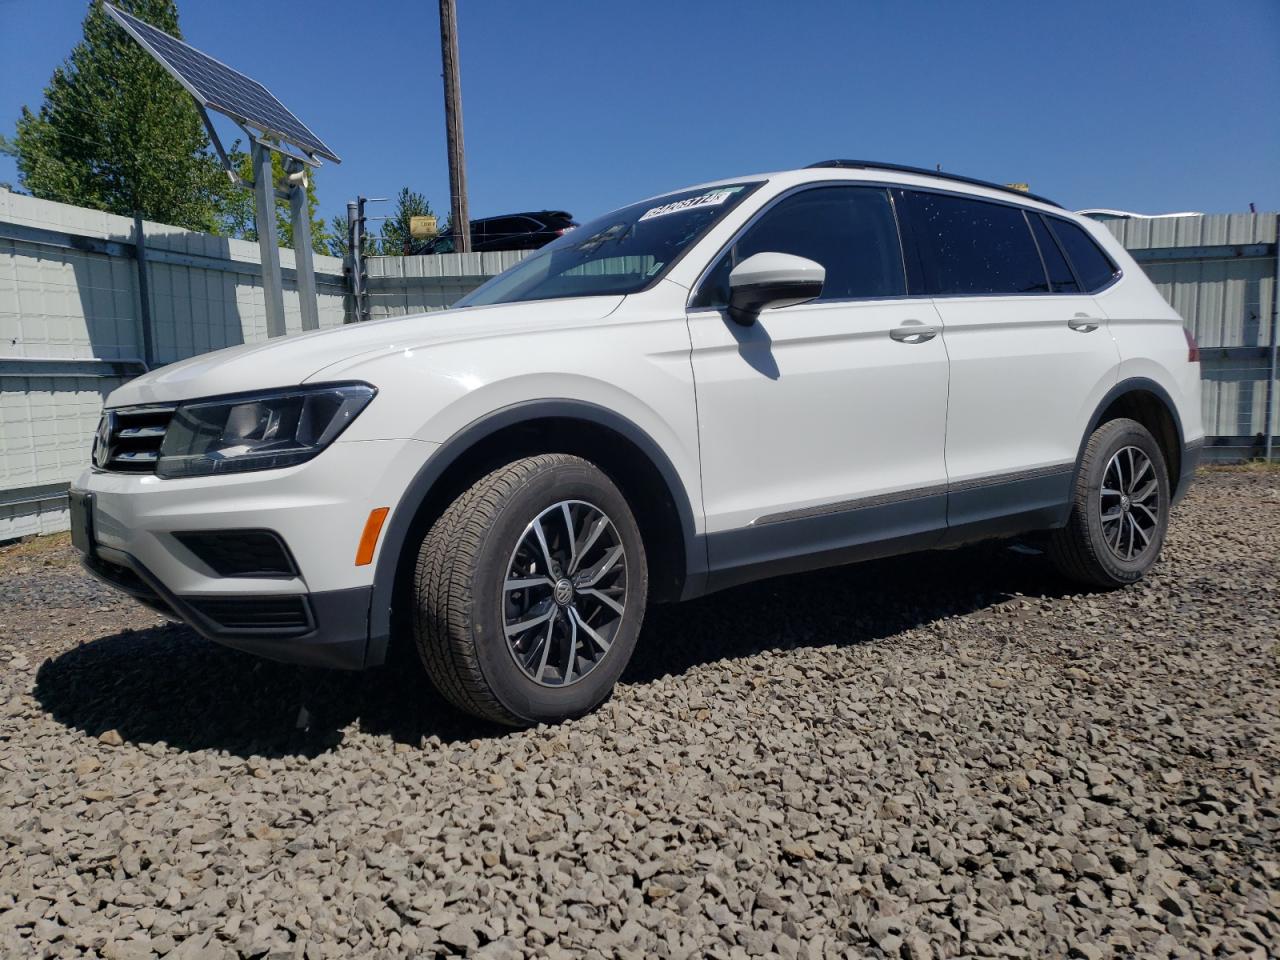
1120, 508
530, 591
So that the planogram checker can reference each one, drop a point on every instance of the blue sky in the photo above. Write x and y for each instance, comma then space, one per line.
1150, 106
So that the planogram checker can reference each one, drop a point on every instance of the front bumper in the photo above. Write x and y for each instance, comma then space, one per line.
333, 629
316, 612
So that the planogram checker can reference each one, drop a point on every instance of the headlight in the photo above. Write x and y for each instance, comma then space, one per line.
260, 431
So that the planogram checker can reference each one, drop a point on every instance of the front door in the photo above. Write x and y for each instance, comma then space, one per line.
822, 426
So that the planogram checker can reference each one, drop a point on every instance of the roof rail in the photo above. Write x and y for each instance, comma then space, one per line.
903, 168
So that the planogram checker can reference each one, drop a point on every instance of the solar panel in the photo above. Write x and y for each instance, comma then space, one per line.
217, 87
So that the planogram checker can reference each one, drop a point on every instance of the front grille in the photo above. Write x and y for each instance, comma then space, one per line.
240, 553
255, 614
129, 438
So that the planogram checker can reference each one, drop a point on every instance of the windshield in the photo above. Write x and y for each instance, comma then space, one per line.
621, 252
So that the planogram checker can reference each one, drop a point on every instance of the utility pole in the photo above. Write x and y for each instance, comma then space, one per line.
458, 214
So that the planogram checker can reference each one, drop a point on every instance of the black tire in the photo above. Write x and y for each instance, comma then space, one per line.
461, 598
1111, 553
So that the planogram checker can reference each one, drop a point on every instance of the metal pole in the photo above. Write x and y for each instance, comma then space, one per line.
355, 247
459, 213
353, 257
304, 264
264, 209
1272, 385
144, 292
362, 238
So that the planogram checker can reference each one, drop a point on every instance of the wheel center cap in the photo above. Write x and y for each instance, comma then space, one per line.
563, 592
1124, 503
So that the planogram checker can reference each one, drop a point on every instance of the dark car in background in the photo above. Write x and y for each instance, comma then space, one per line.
514, 231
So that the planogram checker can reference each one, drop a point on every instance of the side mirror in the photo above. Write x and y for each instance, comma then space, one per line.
772, 280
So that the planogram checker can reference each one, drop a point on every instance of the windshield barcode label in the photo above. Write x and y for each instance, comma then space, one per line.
712, 199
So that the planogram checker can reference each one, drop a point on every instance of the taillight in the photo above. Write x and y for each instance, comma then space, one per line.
1193, 348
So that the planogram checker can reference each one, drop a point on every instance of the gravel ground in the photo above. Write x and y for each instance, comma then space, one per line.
932, 756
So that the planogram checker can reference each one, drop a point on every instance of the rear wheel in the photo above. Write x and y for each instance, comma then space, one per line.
530, 592
1120, 508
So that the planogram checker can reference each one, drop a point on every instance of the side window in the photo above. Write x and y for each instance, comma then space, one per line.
499, 229
851, 231
1061, 278
972, 247
1093, 267
516, 226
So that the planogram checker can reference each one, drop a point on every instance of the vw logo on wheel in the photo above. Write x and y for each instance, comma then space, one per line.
102, 440
563, 592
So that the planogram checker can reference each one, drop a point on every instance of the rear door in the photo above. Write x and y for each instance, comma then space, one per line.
821, 426
1030, 354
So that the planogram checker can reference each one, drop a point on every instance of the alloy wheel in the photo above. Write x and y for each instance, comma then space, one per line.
565, 593
1130, 503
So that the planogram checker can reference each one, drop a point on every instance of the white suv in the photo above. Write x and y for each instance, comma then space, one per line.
738, 380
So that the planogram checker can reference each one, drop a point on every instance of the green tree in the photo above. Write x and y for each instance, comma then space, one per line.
117, 133
236, 218
7, 149
396, 239
335, 240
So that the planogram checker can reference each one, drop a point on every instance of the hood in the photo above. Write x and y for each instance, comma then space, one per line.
289, 361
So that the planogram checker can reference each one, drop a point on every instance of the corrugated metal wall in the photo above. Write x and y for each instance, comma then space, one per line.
1219, 272
71, 330
403, 285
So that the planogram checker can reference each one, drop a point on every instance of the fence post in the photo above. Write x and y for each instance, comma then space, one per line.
355, 247
355, 256
144, 291
1272, 386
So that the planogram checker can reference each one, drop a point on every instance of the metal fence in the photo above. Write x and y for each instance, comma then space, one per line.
402, 285
84, 307
1219, 272
77, 320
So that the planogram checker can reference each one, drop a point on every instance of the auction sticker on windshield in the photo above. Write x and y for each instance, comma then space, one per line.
712, 198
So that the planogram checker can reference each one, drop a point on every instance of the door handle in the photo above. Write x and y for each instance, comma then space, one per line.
1083, 323
913, 331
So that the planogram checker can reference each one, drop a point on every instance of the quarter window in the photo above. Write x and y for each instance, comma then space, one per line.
972, 247
851, 231
1060, 276
1094, 268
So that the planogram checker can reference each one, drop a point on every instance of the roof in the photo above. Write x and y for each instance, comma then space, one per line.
937, 174
526, 213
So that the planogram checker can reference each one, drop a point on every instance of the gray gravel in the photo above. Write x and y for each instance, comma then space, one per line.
932, 756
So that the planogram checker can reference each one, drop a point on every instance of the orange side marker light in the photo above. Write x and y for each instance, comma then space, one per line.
369, 539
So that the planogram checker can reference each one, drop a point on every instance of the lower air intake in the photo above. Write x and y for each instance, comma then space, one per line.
283, 615
241, 553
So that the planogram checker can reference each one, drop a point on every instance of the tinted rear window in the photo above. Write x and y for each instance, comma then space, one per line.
972, 247
1060, 276
1093, 267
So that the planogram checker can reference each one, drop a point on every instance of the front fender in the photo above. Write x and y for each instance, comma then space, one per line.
402, 517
